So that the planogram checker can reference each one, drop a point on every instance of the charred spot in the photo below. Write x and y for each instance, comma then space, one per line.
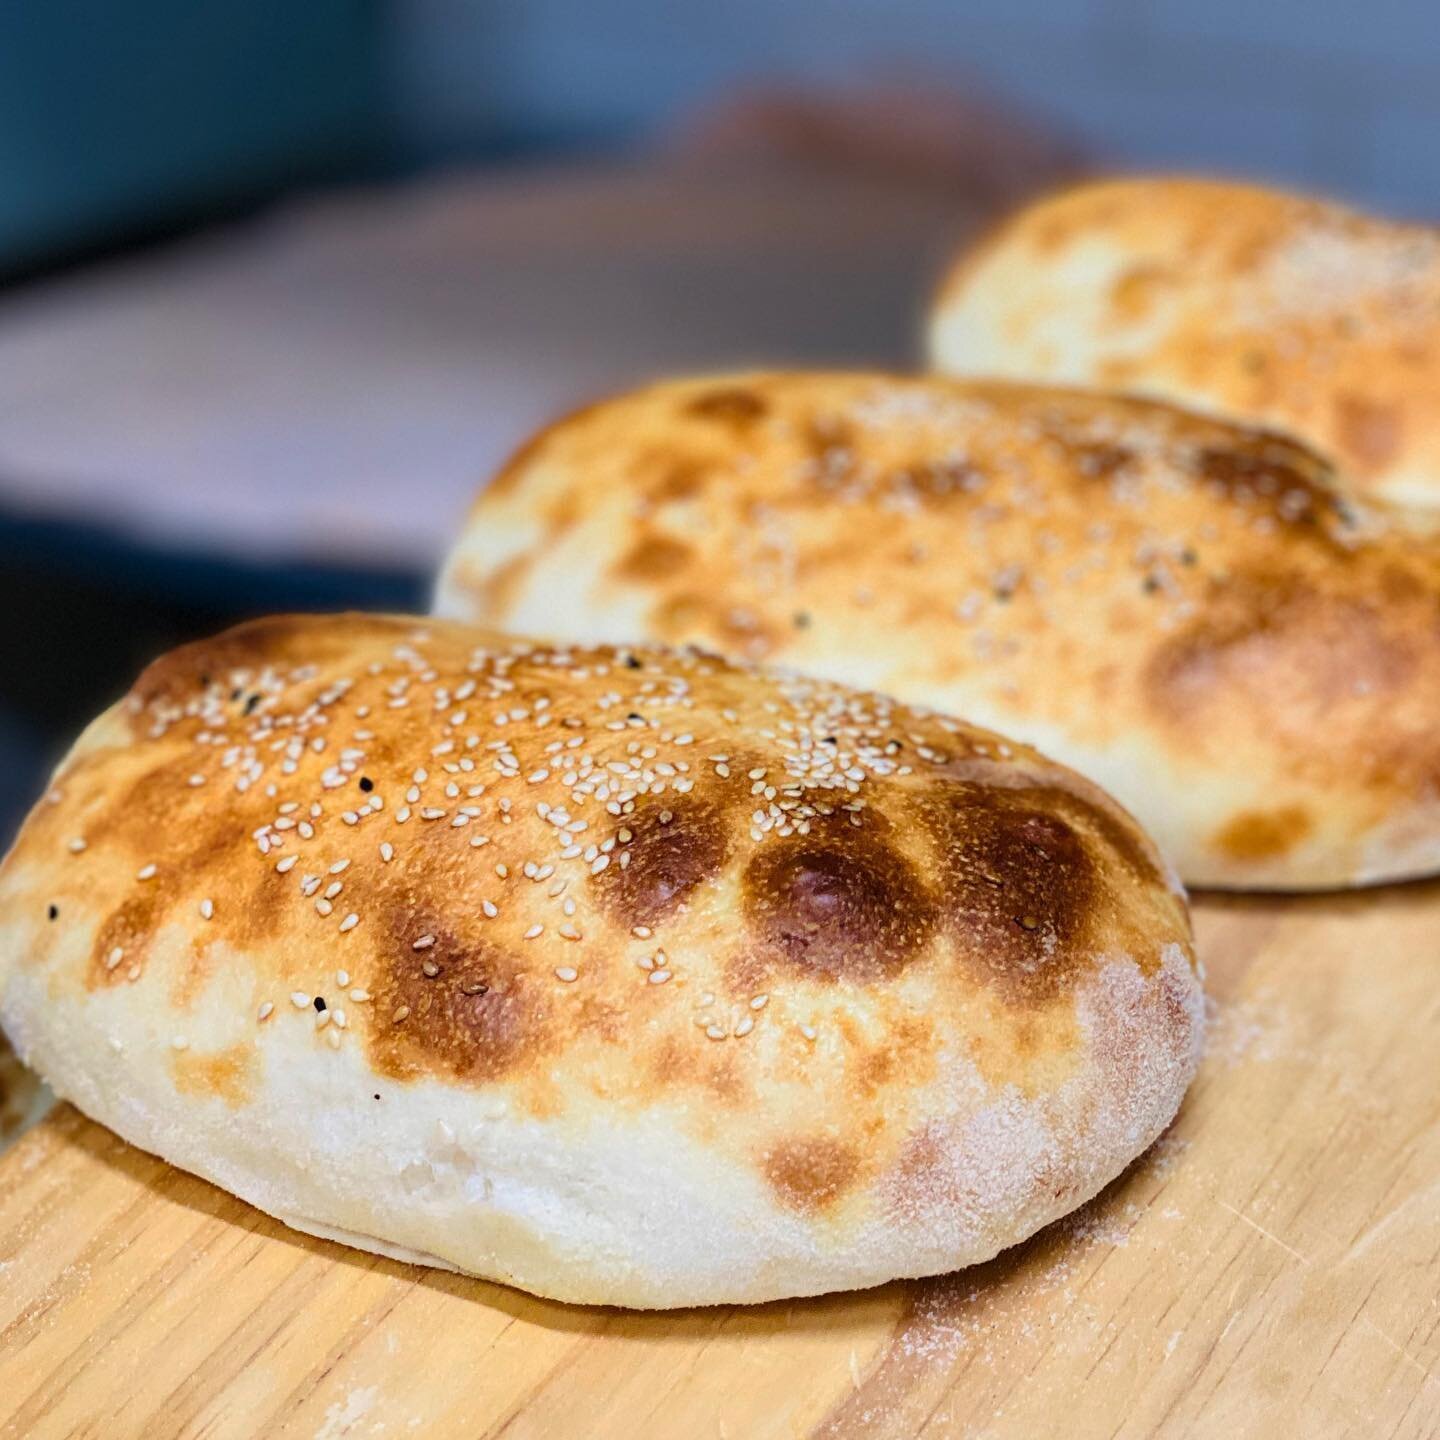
178, 674
1135, 291
837, 904
732, 405
1268, 474
671, 852
802, 619
1264, 834
366, 784
477, 1017
1100, 461
809, 1172
830, 440
1272, 645
52, 912
1019, 886
654, 558
127, 928
220, 1075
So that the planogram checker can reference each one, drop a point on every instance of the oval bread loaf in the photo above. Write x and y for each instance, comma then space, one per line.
1188, 612
1273, 309
621, 975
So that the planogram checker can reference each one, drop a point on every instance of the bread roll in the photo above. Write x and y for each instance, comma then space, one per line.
1273, 309
1186, 612
620, 975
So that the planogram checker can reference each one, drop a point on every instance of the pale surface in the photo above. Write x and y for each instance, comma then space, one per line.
1270, 1268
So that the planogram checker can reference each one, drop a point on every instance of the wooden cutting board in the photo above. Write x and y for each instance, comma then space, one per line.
1272, 1267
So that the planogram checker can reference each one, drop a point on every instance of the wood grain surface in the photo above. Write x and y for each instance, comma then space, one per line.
1271, 1267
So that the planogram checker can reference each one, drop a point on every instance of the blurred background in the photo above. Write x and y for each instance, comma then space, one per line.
281, 282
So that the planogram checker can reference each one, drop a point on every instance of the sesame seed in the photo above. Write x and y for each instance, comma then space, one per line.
715, 1032
342, 977
334, 1039
340, 1021
599, 863
287, 864
808, 1031
76, 845
659, 977
145, 872
430, 969
114, 957
402, 1014
759, 1002
641, 932
387, 851
323, 906
265, 1011
533, 931
349, 922
338, 866
207, 909
359, 996
423, 943
745, 1026
322, 1019
334, 888
566, 973
180, 1043
489, 908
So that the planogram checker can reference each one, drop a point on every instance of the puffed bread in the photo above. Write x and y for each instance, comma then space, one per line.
1272, 309
1187, 612
647, 979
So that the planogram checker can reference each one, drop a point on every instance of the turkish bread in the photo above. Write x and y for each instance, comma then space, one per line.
1275, 309
620, 975
1192, 614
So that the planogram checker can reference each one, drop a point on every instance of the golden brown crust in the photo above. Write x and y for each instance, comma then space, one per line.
1272, 308
604, 874
1192, 612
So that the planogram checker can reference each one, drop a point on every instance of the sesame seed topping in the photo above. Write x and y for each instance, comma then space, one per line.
745, 1026
299, 999
76, 845
265, 1011
207, 909
180, 1043
349, 922
359, 996
287, 864
401, 1014
145, 872
423, 943
114, 957
566, 973
387, 851
430, 969
533, 931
